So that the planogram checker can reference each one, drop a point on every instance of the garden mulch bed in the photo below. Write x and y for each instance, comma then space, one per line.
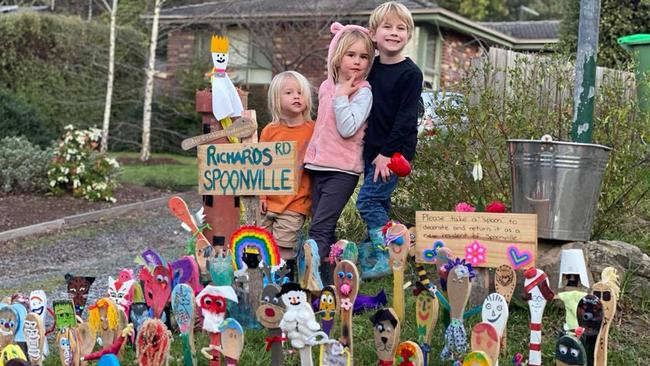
24, 210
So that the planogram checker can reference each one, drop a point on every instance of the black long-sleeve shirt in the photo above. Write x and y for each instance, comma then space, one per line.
392, 124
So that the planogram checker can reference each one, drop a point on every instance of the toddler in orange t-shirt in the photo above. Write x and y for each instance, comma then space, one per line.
290, 106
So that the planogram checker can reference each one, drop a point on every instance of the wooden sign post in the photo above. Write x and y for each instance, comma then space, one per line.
221, 212
484, 239
267, 168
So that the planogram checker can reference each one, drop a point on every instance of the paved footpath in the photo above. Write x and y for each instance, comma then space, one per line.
97, 249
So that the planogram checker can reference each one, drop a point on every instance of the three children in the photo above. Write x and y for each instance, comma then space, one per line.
357, 130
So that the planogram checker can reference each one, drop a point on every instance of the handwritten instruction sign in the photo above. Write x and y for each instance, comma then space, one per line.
267, 168
505, 238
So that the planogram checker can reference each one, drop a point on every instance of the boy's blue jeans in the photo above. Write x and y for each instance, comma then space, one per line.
373, 201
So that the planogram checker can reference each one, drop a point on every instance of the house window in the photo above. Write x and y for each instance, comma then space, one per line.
424, 49
432, 64
250, 66
246, 65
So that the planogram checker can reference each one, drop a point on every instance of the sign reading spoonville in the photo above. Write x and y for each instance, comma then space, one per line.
267, 168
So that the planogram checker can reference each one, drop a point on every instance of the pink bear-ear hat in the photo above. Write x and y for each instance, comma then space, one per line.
336, 29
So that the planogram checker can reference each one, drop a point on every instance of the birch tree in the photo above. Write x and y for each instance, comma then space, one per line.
145, 153
111, 75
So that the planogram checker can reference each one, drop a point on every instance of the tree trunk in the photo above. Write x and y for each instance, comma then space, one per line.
109, 83
145, 153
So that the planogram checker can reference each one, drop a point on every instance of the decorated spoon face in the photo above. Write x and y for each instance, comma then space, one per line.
605, 293
152, 343
398, 240
485, 338
386, 330
78, 288
68, 347
38, 302
232, 338
346, 282
458, 288
477, 358
64, 314
495, 311
35, 336
426, 312
271, 309
569, 351
8, 325
327, 303
505, 280
590, 314
183, 307
409, 353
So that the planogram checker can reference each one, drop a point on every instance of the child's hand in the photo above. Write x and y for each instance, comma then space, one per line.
381, 167
263, 206
347, 88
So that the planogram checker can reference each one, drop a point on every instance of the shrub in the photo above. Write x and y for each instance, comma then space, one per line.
23, 166
526, 109
79, 168
17, 118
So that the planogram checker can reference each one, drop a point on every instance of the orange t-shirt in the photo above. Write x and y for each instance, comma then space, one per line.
301, 134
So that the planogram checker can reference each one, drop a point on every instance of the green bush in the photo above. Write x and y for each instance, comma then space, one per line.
23, 166
443, 165
19, 119
58, 66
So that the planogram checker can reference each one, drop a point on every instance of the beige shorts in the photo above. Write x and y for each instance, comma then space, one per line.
285, 228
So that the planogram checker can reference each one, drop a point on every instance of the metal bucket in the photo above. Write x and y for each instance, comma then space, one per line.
560, 182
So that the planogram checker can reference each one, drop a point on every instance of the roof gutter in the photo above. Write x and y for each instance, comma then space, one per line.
448, 19
437, 16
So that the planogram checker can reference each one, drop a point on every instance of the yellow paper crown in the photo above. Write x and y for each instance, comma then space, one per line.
219, 44
251, 250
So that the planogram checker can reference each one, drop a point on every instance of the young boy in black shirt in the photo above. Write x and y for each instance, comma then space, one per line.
392, 126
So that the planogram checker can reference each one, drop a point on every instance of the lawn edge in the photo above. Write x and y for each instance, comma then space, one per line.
78, 219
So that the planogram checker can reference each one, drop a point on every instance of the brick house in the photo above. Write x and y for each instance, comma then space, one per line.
269, 36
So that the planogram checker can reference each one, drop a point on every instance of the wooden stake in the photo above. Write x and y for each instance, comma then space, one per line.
505, 280
269, 314
398, 241
346, 282
426, 317
184, 310
607, 291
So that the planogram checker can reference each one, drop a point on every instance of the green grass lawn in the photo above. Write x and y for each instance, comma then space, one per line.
181, 176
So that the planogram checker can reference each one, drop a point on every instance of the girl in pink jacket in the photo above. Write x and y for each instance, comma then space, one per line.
334, 154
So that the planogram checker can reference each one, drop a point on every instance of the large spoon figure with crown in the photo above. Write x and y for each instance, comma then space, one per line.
226, 104
225, 101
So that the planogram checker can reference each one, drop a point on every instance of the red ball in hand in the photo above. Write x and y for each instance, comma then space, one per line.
399, 165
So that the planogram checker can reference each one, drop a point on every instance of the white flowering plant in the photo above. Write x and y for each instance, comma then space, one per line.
78, 166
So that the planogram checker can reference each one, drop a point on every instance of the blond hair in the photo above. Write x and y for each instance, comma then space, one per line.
274, 94
94, 319
391, 9
346, 40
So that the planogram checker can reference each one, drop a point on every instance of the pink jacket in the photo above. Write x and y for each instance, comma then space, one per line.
327, 147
